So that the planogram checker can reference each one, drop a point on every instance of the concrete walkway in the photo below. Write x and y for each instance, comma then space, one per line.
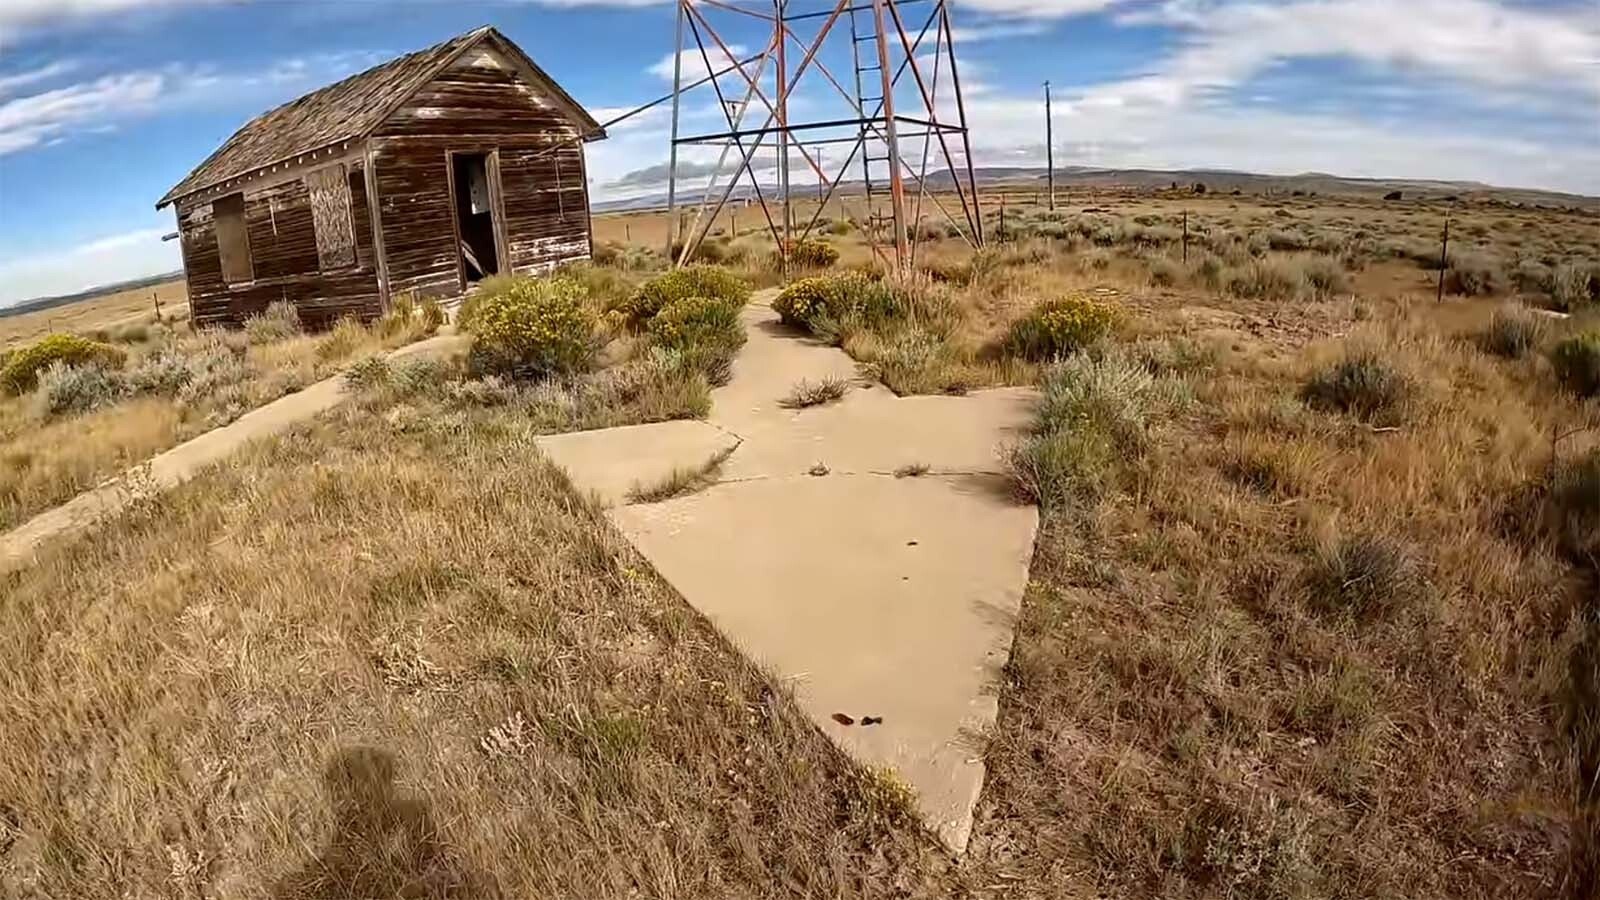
19, 547
886, 603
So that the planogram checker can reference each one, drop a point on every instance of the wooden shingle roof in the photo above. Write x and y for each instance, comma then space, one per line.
349, 110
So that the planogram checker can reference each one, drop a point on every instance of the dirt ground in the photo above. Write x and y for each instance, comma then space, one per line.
1300, 621
104, 312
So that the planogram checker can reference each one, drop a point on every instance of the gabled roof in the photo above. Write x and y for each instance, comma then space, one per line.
351, 109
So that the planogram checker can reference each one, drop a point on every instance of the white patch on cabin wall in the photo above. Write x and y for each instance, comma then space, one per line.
481, 57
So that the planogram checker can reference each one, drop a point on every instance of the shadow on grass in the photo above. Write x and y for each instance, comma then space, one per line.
384, 842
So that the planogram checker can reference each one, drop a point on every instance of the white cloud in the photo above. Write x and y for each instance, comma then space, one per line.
1008, 130
694, 65
31, 120
98, 105
1037, 9
998, 31
17, 16
10, 83
116, 257
1474, 41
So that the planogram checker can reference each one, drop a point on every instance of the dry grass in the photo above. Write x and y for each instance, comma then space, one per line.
682, 480
179, 385
1279, 654
121, 311
806, 393
1270, 648
366, 660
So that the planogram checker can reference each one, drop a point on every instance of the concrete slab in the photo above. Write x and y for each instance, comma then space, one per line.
612, 461
872, 596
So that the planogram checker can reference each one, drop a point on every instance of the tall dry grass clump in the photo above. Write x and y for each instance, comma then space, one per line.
1514, 332
279, 321
1093, 416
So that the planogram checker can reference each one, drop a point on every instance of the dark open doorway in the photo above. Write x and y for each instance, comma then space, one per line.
475, 214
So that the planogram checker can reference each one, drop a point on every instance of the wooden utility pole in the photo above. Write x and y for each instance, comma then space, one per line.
1186, 237
1049, 149
1444, 257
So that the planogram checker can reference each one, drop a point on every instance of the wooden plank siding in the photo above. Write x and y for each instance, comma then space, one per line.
283, 250
478, 105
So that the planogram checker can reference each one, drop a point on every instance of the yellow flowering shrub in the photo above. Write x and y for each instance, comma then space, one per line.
713, 282
536, 326
22, 368
834, 297
703, 333
1061, 326
812, 253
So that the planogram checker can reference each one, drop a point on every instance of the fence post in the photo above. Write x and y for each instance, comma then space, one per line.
1444, 257
1186, 237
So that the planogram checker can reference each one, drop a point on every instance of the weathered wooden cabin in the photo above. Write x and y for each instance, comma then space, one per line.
424, 174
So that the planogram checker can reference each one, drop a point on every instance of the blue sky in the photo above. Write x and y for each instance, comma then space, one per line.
104, 104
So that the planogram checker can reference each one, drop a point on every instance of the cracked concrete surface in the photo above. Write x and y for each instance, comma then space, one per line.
870, 595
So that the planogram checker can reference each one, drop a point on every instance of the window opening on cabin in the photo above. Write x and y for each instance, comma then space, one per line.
331, 220
233, 239
475, 215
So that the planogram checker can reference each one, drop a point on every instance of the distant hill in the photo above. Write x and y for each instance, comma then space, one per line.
39, 303
1218, 180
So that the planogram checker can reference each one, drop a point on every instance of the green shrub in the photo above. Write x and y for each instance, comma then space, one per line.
1093, 414
704, 331
164, 372
1513, 332
1576, 361
536, 326
67, 388
1060, 326
1363, 576
279, 321
368, 373
23, 366
678, 284
214, 365
812, 253
1364, 385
